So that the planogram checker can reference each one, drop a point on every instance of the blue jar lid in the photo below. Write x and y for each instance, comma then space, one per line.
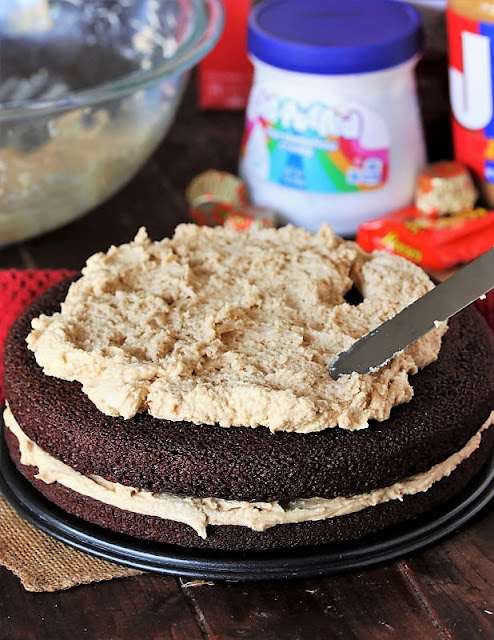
334, 36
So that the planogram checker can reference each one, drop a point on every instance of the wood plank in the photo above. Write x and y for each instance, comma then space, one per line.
456, 579
148, 606
377, 604
12, 257
213, 143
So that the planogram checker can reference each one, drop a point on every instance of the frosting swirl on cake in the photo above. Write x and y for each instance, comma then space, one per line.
216, 326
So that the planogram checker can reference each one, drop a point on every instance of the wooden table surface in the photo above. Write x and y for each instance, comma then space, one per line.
443, 592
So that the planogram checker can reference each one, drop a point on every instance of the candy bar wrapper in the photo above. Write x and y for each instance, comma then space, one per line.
433, 243
444, 188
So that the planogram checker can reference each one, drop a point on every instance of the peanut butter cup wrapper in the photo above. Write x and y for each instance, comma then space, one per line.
445, 188
219, 198
210, 190
249, 217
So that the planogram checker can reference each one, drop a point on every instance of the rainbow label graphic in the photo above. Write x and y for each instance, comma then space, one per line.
318, 147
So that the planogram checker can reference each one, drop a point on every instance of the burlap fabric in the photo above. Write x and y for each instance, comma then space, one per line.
45, 564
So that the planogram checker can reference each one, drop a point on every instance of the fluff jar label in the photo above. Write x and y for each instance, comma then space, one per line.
339, 147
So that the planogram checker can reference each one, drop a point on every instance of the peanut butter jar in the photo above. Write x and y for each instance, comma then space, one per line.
470, 26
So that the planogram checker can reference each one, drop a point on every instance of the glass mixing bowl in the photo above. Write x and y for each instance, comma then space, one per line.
88, 89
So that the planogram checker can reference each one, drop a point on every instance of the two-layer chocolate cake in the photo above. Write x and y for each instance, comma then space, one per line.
179, 391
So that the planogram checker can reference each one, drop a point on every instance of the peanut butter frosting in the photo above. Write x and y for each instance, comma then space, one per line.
198, 513
216, 326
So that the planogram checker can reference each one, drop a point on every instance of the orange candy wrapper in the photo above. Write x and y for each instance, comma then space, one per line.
433, 243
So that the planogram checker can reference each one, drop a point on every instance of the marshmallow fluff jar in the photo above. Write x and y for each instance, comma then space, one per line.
333, 131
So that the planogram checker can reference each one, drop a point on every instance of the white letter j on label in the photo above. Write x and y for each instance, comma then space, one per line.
471, 91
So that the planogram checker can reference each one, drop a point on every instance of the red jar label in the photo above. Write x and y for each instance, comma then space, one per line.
471, 81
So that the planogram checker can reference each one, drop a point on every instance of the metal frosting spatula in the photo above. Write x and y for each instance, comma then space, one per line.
414, 321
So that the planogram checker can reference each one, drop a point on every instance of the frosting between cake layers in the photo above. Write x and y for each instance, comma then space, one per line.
198, 513
214, 326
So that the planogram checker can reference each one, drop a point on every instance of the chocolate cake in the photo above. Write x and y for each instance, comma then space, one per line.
250, 487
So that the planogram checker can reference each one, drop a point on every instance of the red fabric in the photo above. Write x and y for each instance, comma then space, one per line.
19, 288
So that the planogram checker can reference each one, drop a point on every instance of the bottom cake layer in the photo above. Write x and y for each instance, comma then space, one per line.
344, 526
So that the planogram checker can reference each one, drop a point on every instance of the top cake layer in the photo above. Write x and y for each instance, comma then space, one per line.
215, 326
